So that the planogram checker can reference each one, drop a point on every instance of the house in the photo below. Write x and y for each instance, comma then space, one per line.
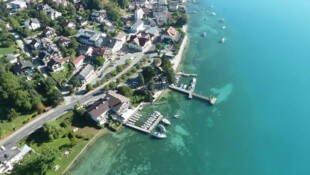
138, 13
153, 30
81, 21
160, 8
23, 66
161, 17
98, 16
171, 34
63, 2
111, 43
78, 61
117, 103
162, 2
102, 52
121, 36
32, 24
173, 6
12, 58
48, 54
9, 157
89, 37
86, 72
49, 32
85, 50
17, 5
57, 64
98, 111
64, 41
137, 26
69, 24
35, 44
139, 43
53, 14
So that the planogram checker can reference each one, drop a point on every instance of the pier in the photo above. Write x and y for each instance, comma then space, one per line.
147, 130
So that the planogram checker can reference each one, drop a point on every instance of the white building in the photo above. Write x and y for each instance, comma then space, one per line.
17, 5
86, 73
171, 34
139, 13
137, 26
32, 24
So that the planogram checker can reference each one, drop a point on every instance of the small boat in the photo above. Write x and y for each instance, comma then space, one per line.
213, 13
223, 40
206, 19
224, 27
159, 135
211, 6
161, 128
221, 20
204, 34
176, 116
166, 121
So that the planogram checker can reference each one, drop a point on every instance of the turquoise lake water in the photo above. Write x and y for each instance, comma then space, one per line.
260, 125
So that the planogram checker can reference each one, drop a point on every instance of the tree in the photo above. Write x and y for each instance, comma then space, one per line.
73, 43
123, 3
119, 68
113, 11
148, 73
14, 23
75, 82
12, 114
54, 96
98, 61
40, 107
151, 85
4, 10
52, 130
89, 87
159, 48
112, 85
140, 79
124, 90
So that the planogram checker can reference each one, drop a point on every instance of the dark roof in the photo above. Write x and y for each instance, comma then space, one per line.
140, 41
98, 108
109, 42
57, 60
20, 65
116, 100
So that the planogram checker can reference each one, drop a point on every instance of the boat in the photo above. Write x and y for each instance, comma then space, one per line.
176, 116
223, 40
159, 135
204, 34
166, 121
221, 20
206, 19
213, 13
161, 128
224, 27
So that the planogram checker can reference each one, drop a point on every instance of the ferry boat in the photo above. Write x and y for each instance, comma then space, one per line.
223, 40
166, 121
159, 135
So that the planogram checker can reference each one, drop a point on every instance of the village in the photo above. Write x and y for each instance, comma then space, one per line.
74, 47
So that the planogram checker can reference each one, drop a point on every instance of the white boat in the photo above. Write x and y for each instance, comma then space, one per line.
159, 135
206, 19
224, 27
176, 116
223, 40
221, 20
166, 121
204, 34
213, 13
162, 128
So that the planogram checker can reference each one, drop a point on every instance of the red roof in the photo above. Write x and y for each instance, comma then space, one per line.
78, 59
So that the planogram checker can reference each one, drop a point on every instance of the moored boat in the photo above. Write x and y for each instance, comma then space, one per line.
166, 121
159, 135
161, 128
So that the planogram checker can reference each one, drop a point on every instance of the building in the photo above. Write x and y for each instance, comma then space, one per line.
81, 21
48, 54
32, 24
153, 30
98, 111
57, 64
161, 17
139, 13
49, 32
173, 5
64, 41
35, 44
90, 37
98, 16
112, 44
112, 103
121, 36
137, 26
12, 58
17, 5
68, 24
162, 2
139, 43
171, 34
23, 67
78, 61
86, 72
10, 157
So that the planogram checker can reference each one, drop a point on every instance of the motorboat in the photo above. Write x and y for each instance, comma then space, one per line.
206, 19
204, 34
223, 40
176, 116
213, 13
159, 135
221, 20
161, 128
166, 121
224, 27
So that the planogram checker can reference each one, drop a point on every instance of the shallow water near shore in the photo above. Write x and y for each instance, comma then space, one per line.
260, 125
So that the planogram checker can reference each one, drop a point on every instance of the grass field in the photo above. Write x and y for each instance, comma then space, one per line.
7, 50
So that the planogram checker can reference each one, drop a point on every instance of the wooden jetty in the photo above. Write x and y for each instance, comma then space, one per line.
149, 130
186, 74
191, 94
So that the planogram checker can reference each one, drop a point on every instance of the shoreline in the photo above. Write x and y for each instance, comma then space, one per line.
176, 62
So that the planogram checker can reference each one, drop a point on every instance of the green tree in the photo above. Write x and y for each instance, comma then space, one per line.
89, 87
12, 114
75, 82
4, 10
125, 90
123, 3
159, 48
113, 11
119, 68
148, 73
14, 23
140, 79
98, 61
151, 85
52, 130
54, 96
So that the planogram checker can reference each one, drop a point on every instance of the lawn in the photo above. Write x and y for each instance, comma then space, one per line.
86, 131
6, 50
61, 75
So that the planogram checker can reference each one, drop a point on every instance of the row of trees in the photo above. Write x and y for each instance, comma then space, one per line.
6, 39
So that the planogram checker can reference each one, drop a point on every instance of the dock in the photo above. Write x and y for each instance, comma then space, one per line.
186, 74
191, 94
145, 130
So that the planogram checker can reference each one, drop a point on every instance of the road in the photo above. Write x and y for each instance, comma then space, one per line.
13, 139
